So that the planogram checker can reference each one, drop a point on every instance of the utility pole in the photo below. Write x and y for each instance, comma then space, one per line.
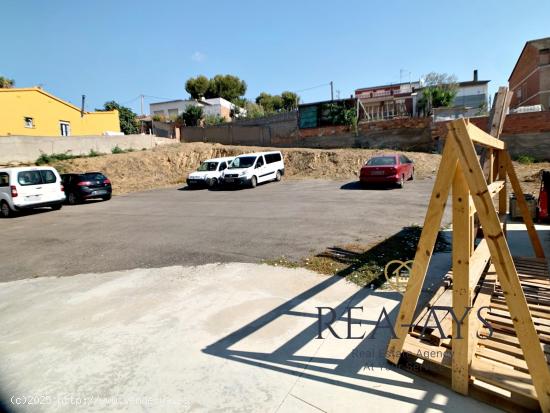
331, 90
141, 96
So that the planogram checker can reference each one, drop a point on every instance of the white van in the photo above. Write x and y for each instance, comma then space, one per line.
209, 172
30, 187
253, 168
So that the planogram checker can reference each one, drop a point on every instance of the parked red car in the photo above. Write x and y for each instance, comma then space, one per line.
392, 168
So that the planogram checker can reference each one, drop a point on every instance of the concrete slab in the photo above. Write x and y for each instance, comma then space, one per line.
217, 337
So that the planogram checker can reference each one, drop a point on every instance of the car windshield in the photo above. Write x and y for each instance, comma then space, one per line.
381, 161
208, 166
242, 162
92, 177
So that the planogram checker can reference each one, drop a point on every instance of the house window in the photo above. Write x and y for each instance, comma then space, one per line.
64, 128
29, 122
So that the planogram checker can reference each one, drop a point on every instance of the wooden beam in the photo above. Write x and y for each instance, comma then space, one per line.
478, 262
491, 160
527, 219
462, 294
424, 250
500, 109
504, 264
481, 137
495, 187
502, 195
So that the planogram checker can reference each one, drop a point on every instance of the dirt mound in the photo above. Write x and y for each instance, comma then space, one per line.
169, 165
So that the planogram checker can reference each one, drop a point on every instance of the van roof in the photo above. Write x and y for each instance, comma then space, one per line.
258, 153
227, 158
25, 168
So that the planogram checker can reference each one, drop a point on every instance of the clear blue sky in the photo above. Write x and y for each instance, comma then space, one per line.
119, 49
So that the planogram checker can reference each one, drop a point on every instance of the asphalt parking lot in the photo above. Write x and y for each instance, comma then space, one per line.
176, 226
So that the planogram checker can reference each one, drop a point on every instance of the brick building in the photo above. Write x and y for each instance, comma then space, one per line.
530, 78
388, 101
401, 99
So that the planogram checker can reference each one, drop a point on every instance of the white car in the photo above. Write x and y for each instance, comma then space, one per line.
254, 168
30, 187
209, 172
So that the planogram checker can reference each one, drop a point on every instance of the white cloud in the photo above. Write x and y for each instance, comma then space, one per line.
198, 57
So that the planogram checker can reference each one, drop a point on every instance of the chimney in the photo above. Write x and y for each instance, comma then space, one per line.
475, 75
82, 107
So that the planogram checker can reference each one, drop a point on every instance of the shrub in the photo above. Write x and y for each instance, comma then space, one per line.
212, 120
525, 159
117, 149
44, 158
93, 153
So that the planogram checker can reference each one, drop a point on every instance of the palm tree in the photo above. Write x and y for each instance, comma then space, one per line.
6, 83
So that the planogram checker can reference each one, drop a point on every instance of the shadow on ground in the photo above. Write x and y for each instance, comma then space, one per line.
358, 186
363, 355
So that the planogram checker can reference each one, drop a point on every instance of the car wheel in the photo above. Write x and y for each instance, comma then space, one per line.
212, 182
57, 207
278, 176
253, 182
401, 182
106, 198
72, 199
5, 210
412, 176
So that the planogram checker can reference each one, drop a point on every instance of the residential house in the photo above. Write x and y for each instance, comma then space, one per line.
401, 99
172, 109
530, 78
388, 101
35, 112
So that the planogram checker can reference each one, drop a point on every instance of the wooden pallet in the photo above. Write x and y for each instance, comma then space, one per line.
510, 365
498, 373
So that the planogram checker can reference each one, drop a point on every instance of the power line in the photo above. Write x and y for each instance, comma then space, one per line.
130, 101
313, 87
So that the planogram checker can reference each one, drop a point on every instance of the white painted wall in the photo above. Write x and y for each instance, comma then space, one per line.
472, 90
26, 149
179, 105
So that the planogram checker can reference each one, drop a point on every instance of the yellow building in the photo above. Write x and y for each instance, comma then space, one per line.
34, 112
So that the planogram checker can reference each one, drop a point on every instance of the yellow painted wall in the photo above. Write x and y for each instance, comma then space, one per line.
47, 111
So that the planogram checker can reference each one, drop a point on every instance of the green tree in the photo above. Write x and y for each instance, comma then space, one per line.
127, 118
197, 86
6, 83
439, 91
270, 103
253, 110
228, 87
290, 100
192, 116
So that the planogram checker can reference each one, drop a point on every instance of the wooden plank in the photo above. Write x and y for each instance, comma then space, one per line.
478, 262
503, 377
434, 214
499, 113
495, 187
462, 293
491, 160
535, 241
502, 196
502, 259
483, 138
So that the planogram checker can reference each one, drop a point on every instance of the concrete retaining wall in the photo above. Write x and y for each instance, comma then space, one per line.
26, 149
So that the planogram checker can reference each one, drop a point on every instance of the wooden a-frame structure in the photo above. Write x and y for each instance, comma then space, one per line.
473, 193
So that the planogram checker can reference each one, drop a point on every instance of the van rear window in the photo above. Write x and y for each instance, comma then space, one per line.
272, 157
36, 177
4, 179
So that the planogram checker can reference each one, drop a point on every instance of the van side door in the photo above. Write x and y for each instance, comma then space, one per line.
259, 169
